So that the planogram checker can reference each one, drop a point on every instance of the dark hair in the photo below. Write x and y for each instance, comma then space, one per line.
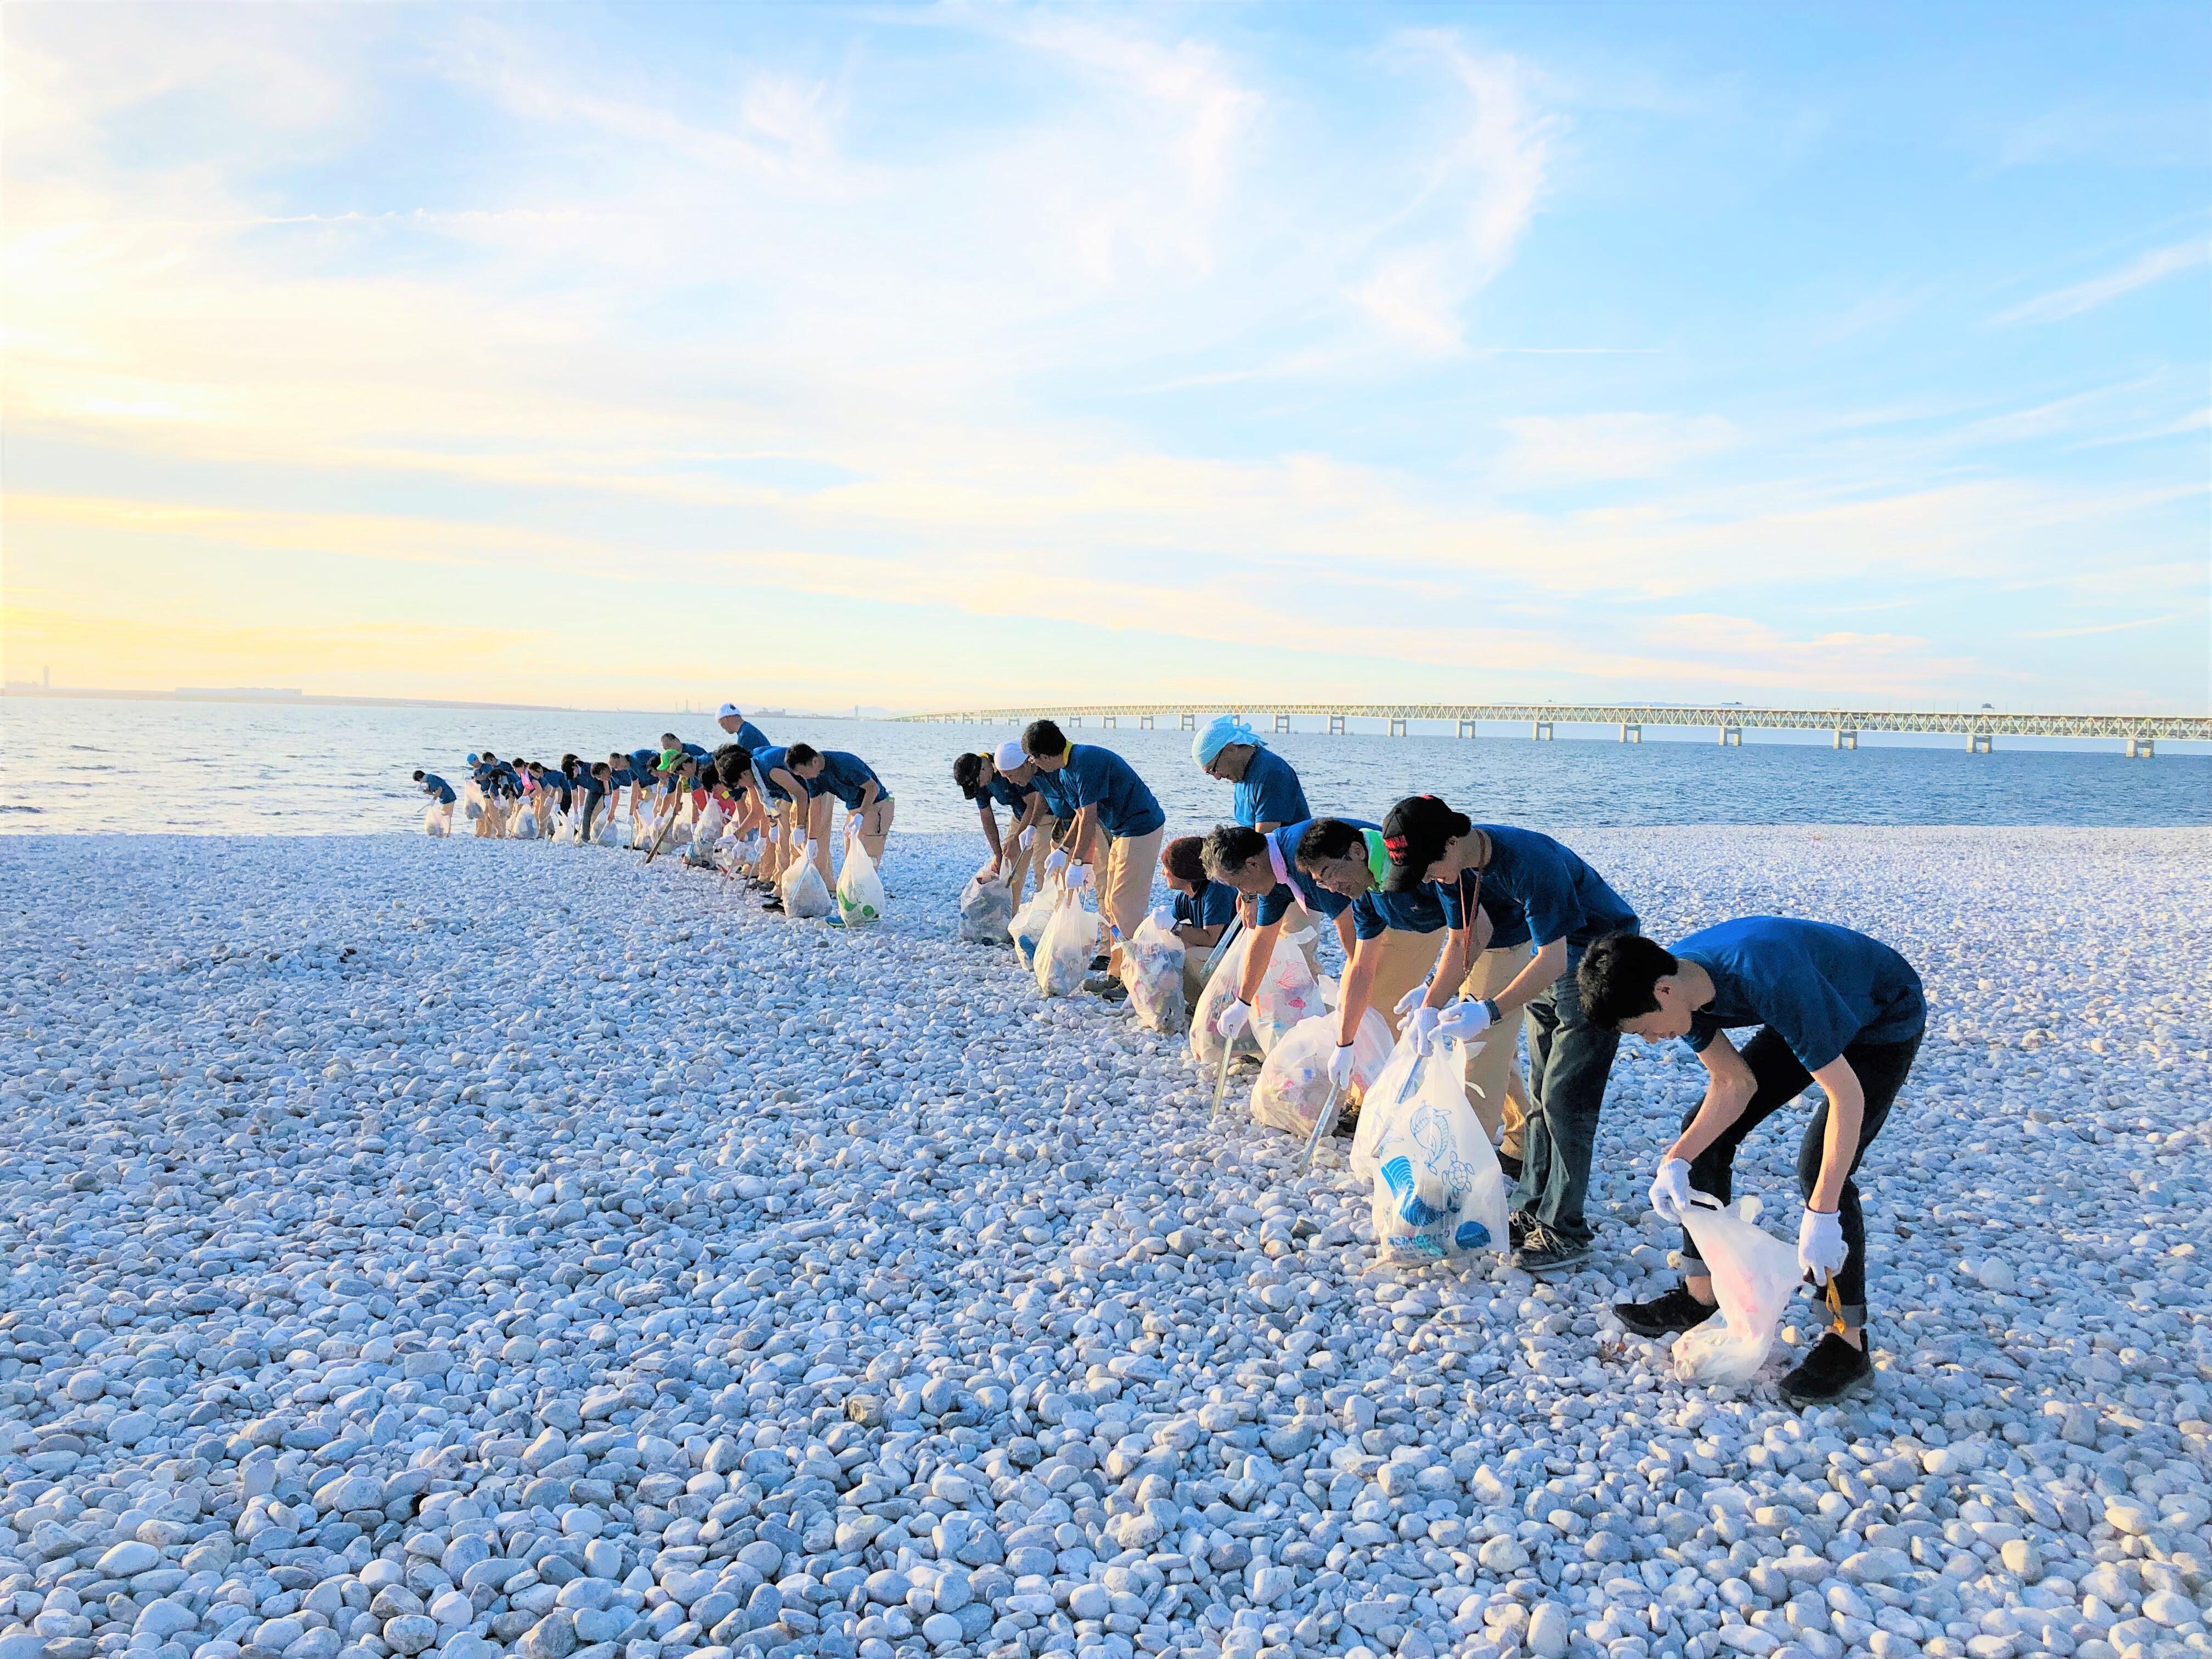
967, 773
418, 775
1326, 839
1044, 738
800, 753
1183, 858
734, 765
598, 767
1230, 846
568, 762
1618, 977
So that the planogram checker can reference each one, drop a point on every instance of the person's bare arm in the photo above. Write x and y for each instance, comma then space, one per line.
1196, 938
1451, 967
1846, 1111
1534, 980
991, 834
1729, 1086
1358, 984
1257, 956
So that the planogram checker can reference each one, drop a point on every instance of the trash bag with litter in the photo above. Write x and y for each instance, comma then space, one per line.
1151, 962
1070, 939
805, 895
433, 821
1288, 992
1294, 1086
524, 825
706, 830
1754, 1275
1436, 1190
1030, 921
860, 888
987, 908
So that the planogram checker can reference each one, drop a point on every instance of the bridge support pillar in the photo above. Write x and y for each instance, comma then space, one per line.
1847, 738
1336, 726
1631, 732
1731, 736
1190, 723
2140, 748
1981, 743
1075, 720
1144, 723
1110, 721
1397, 726
1542, 730
1467, 728
1282, 722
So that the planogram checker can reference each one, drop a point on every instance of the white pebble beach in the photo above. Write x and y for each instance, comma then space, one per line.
459, 1247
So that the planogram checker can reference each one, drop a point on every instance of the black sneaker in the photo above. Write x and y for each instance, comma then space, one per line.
772, 904
1098, 963
1834, 1370
1544, 1251
1509, 1166
1347, 1123
1676, 1311
1516, 1228
1106, 985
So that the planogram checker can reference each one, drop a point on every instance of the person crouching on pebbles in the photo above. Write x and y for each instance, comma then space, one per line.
1104, 798
1005, 777
1199, 913
1833, 1007
1564, 907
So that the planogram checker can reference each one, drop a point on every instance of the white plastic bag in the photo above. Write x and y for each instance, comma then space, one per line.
1151, 960
434, 820
1754, 1275
860, 888
986, 910
1220, 991
1436, 1188
1070, 939
1288, 994
805, 898
1293, 1085
525, 827
1030, 922
706, 830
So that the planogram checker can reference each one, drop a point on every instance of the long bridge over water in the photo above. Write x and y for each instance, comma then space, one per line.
2139, 733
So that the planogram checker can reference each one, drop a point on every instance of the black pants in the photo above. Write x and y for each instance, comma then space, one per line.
1880, 1067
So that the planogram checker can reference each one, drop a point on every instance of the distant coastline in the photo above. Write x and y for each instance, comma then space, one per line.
288, 698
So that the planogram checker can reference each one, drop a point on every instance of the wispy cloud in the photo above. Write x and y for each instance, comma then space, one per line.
2109, 628
2154, 266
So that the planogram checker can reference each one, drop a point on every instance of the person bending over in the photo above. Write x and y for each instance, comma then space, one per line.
1276, 894
989, 780
1833, 1007
1268, 793
1106, 801
440, 792
1200, 913
831, 775
742, 731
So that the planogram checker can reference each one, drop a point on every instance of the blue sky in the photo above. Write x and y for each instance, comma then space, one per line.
943, 355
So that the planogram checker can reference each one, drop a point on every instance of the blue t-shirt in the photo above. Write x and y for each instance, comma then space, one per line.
1214, 905
765, 761
558, 782
1059, 791
749, 736
695, 751
1269, 792
845, 776
1010, 794
644, 760
434, 785
1431, 906
1273, 906
1099, 777
1545, 888
1818, 987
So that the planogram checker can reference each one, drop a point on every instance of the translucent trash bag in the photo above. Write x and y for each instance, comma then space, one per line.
986, 910
860, 888
805, 897
1436, 1191
1754, 1275
706, 830
1070, 939
433, 821
525, 826
1289, 993
1152, 959
1220, 991
1030, 922
1294, 1086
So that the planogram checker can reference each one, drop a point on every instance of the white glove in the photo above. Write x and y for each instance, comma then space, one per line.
1339, 1068
1078, 878
1670, 1189
1234, 1019
1421, 1028
1055, 862
1163, 917
1028, 835
1821, 1251
1464, 1020
1413, 998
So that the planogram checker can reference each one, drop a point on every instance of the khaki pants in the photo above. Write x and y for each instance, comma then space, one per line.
1195, 959
1015, 866
1407, 959
1502, 1102
1124, 885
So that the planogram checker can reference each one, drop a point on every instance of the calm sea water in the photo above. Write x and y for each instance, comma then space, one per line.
94, 764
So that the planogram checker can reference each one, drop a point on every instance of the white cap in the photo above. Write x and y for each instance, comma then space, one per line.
1010, 756
727, 710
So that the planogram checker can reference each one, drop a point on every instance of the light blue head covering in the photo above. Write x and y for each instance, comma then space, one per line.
1219, 733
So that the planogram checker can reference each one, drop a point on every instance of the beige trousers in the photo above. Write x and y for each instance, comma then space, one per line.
1407, 959
1124, 885
1015, 867
1502, 1102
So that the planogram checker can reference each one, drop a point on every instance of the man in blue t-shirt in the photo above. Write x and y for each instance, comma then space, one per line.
833, 774
1268, 793
441, 795
742, 731
1561, 907
1109, 803
1005, 777
1833, 1007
